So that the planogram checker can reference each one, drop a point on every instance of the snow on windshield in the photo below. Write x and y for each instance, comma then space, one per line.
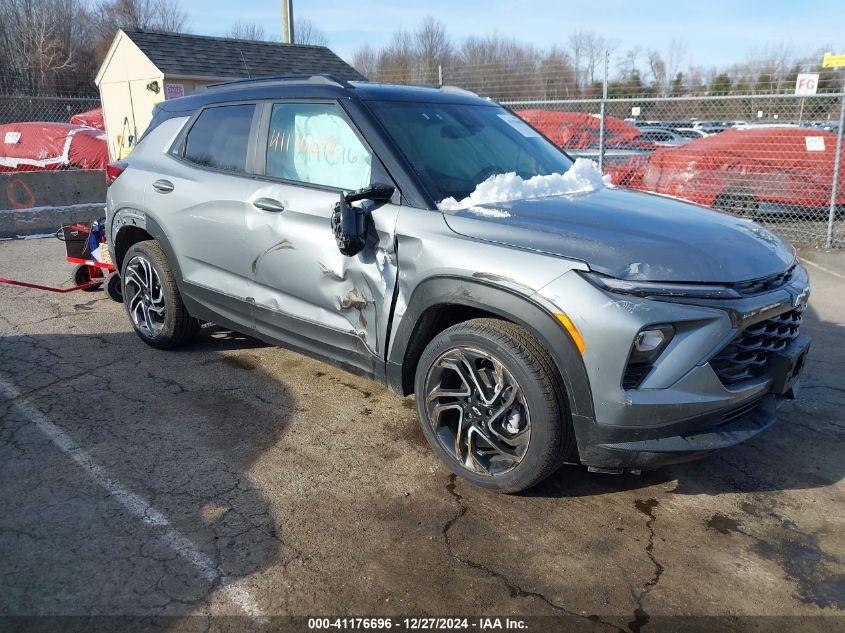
584, 176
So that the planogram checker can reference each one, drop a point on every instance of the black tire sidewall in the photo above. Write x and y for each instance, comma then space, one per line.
114, 287
172, 301
545, 420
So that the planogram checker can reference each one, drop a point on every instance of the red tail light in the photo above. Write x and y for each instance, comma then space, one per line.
113, 170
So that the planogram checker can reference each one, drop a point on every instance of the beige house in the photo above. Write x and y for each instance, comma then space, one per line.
142, 68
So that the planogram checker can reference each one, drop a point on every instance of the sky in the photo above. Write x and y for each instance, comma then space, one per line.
716, 32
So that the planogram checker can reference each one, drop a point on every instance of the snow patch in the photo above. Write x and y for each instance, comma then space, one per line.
488, 212
584, 176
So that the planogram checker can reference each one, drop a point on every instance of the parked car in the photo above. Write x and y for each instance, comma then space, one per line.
579, 134
690, 132
361, 224
662, 137
576, 131
781, 171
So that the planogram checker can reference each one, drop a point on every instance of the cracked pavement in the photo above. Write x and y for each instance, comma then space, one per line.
313, 491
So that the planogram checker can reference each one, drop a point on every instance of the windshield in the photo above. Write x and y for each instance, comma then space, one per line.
455, 147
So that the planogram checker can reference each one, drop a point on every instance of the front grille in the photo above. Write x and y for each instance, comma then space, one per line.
765, 284
747, 355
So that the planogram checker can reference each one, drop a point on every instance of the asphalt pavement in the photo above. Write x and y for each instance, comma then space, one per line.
233, 478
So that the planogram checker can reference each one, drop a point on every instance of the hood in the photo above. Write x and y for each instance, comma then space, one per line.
632, 235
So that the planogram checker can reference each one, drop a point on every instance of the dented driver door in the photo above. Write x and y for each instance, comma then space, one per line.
306, 294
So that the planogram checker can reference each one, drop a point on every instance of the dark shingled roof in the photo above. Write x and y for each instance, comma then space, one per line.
186, 55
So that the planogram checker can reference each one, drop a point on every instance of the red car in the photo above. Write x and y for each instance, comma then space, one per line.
38, 146
578, 133
785, 171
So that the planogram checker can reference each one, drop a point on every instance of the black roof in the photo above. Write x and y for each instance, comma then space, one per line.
186, 55
321, 86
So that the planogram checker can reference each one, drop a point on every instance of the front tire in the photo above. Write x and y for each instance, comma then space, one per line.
152, 299
491, 404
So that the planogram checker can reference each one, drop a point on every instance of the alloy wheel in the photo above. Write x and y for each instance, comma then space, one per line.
477, 411
144, 296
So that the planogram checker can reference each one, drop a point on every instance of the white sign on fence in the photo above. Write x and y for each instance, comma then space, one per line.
635, 111
806, 84
814, 143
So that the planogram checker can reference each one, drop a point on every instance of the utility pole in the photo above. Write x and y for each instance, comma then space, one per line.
287, 22
603, 111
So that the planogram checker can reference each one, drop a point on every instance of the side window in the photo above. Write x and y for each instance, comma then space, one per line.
316, 144
220, 136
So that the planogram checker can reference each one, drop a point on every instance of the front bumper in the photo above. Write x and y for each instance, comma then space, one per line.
682, 410
624, 448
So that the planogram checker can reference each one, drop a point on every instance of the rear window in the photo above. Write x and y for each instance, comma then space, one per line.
220, 136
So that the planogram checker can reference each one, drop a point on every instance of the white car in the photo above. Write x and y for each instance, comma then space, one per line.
690, 132
661, 136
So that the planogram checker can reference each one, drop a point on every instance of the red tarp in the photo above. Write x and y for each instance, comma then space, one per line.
39, 146
576, 130
92, 118
780, 165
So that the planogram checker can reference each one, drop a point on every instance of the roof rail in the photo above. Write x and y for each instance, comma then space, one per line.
457, 90
318, 78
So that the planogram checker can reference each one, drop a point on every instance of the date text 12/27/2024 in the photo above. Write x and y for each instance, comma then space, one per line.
417, 624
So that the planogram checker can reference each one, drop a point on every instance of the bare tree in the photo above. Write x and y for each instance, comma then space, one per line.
578, 45
397, 62
365, 61
40, 43
170, 16
107, 16
557, 75
675, 57
627, 63
156, 15
306, 32
433, 48
247, 31
657, 69
595, 49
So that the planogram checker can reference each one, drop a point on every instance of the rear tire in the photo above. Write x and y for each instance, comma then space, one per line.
152, 300
739, 202
508, 442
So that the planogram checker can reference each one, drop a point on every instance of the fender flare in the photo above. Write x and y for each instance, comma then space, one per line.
507, 304
133, 218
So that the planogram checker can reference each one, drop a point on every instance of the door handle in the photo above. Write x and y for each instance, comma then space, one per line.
163, 186
269, 204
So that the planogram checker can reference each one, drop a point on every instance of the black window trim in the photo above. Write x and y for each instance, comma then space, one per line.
179, 145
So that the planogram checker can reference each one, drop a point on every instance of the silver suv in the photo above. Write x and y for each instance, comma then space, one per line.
611, 328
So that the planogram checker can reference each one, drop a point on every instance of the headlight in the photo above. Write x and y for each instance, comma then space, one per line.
660, 288
647, 347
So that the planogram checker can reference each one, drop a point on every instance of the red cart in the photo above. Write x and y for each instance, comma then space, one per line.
90, 273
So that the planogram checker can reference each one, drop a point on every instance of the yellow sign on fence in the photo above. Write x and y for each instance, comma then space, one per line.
833, 61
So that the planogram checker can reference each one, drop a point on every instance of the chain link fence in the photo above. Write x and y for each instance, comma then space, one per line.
22, 108
774, 158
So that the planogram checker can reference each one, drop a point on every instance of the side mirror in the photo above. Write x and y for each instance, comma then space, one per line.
349, 224
377, 191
